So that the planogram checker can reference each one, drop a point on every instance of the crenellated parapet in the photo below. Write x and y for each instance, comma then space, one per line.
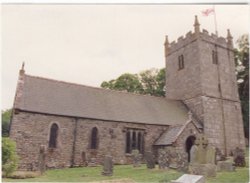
203, 35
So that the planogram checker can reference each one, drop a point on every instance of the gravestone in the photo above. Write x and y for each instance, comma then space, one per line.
189, 178
210, 155
218, 155
203, 158
225, 166
92, 162
239, 157
136, 158
107, 166
42, 156
84, 159
149, 157
193, 153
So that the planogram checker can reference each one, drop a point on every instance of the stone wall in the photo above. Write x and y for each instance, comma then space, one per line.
30, 130
184, 83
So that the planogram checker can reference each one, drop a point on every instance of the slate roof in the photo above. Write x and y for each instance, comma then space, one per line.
61, 98
171, 135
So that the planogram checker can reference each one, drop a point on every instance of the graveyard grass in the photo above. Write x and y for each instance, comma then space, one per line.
127, 174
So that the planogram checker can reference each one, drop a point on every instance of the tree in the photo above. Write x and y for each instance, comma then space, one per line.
9, 156
150, 82
6, 115
125, 82
242, 70
153, 82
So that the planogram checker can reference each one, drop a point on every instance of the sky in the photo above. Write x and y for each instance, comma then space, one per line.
89, 44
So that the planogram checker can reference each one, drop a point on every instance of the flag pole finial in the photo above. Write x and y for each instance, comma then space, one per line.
196, 25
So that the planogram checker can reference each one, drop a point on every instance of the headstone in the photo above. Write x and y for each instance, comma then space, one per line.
136, 158
208, 170
203, 158
92, 162
193, 153
42, 155
210, 155
149, 157
189, 178
84, 162
225, 166
219, 156
202, 143
239, 157
107, 166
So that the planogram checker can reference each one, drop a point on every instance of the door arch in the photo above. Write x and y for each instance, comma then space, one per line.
189, 143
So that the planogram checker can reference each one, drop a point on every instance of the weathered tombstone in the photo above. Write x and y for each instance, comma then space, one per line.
204, 159
42, 155
193, 153
225, 166
201, 153
136, 158
107, 166
219, 156
149, 160
188, 178
92, 162
239, 157
210, 155
84, 159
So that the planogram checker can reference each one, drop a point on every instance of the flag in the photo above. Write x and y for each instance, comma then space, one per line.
207, 12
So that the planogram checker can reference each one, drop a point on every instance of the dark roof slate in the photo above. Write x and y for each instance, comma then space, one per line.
60, 98
172, 134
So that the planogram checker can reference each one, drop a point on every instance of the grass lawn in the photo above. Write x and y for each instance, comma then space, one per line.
126, 173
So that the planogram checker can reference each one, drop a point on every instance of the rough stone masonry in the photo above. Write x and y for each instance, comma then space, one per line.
78, 125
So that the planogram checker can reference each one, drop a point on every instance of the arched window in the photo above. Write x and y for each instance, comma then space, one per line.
94, 134
53, 136
128, 150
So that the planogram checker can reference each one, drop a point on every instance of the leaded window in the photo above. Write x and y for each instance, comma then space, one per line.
94, 138
53, 136
134, 140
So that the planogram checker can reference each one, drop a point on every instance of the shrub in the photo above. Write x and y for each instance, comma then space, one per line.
9, 156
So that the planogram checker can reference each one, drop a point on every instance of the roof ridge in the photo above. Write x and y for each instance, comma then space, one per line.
99, 88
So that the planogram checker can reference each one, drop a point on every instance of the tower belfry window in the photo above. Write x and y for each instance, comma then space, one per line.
215, 57
181, 62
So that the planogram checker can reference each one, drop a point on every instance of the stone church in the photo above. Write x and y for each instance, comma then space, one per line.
78, 125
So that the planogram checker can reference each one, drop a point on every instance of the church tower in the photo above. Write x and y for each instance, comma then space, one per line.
200, 71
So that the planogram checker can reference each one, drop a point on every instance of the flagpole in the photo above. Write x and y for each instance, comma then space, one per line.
215, 21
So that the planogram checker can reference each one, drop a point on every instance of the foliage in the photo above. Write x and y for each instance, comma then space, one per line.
242, 68
126, 82
6, 115
9, 156
150, 82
